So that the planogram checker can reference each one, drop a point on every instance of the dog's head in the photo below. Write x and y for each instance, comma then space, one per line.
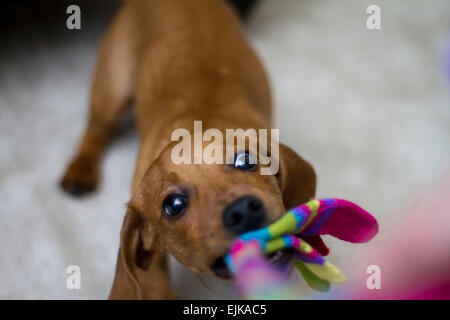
194, 211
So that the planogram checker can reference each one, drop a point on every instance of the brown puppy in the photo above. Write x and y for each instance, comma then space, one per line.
181, 61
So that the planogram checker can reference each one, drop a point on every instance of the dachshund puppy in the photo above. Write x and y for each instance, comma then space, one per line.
181, 61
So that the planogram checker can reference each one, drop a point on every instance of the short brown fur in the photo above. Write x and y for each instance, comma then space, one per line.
179, 61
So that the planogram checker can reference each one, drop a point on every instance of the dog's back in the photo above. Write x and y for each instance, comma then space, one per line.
190, 60
188, 49
175, 59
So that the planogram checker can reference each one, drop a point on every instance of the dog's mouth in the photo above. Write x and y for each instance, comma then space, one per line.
279, 259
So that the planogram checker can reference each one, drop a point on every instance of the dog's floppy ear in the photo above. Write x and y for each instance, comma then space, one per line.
137, 249
296, 177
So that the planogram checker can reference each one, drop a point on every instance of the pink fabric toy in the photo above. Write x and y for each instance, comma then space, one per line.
256, 279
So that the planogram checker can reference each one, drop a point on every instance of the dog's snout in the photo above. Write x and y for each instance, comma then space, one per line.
245, 214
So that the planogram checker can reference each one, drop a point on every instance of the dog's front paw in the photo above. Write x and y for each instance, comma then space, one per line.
81, 177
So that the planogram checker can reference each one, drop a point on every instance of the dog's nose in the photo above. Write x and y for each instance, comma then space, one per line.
245, 214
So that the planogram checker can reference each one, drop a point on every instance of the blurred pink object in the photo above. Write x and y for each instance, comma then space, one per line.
413, 254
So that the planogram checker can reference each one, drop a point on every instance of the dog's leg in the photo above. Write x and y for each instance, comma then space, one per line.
111, 94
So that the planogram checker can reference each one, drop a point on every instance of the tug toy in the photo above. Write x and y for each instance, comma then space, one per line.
254, 276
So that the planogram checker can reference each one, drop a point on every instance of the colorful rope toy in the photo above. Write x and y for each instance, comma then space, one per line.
257, 279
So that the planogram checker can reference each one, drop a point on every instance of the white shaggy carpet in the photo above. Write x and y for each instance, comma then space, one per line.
369, 109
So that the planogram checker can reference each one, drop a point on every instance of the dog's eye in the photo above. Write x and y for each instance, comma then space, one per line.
245, 162
174, 205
